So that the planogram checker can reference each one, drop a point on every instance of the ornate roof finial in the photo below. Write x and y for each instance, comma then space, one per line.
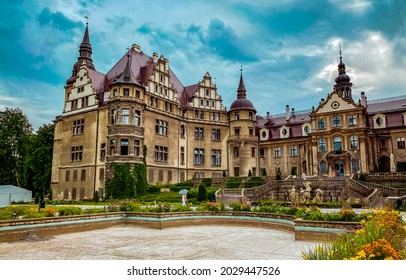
87, 19
241, 91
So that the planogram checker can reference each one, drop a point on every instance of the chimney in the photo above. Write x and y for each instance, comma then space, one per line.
293, 112
136, 48
268, 116
155, 57
363, 99
287, 112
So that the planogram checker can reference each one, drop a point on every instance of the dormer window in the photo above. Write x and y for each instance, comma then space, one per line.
379, 121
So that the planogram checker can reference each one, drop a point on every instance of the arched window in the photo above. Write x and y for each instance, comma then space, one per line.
322, 145
323, 166
353, 142
338, 145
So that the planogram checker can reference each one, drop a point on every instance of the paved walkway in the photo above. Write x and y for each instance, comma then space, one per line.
188, 243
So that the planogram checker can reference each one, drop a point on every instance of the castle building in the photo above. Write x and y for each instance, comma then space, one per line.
140, 111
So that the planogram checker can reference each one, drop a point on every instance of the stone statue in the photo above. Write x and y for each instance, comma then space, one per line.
307, 191
319, 196
294, 196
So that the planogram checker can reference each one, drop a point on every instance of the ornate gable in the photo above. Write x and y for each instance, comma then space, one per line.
335, 103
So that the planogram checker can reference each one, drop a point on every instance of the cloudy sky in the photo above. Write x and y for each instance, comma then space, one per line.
289, 49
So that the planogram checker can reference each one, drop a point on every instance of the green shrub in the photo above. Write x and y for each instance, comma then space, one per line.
233, 182
96, 197
130, 207
362, 177
263, 172
206, 182
69, 210
254, 181
278, 175
202, 193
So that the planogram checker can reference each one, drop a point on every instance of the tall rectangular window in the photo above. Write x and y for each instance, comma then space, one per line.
137, 118
237, 132
125, 116
293, 151
78, 127
215, 135
113, 116
136, 148
101, 174
236, 115
336, 121
401, 142
352, 120
124, 147
201, 115
199, 156
262, 152
67, 176
199, 133
182, 155
253, 152
277, 152
126, 92
83, 175
102, 150
76, 153
161, 127
161, 153
216, 157
321, 124
112, 147
75, 175
236, 152
322, 145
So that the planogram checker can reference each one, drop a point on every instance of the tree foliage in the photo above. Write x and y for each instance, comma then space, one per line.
122, 184
26, 157
15, 133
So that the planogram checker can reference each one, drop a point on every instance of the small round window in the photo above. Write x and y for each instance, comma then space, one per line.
379, 121
306, 129
263, 134
284, 131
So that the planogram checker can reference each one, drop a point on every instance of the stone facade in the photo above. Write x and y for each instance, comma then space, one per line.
188, 133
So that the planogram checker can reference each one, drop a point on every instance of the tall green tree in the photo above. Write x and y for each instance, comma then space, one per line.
15, 139
39, 161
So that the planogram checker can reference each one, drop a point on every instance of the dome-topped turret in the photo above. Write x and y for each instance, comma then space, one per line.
343, 81
242, 102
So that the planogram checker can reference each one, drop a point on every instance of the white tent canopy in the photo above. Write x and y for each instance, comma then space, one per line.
9, 193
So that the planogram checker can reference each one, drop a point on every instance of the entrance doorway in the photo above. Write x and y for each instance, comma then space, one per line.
339, 168
384, 164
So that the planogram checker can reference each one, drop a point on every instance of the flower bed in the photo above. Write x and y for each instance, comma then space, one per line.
381, 237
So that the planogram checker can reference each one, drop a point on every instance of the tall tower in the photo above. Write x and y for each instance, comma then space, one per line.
125, 110
85, 56
343, 84
242, 143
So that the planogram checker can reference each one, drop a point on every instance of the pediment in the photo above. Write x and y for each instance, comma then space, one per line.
335, 103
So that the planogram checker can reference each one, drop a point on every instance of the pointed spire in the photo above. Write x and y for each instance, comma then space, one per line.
85, 55
241, 91
126, 77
